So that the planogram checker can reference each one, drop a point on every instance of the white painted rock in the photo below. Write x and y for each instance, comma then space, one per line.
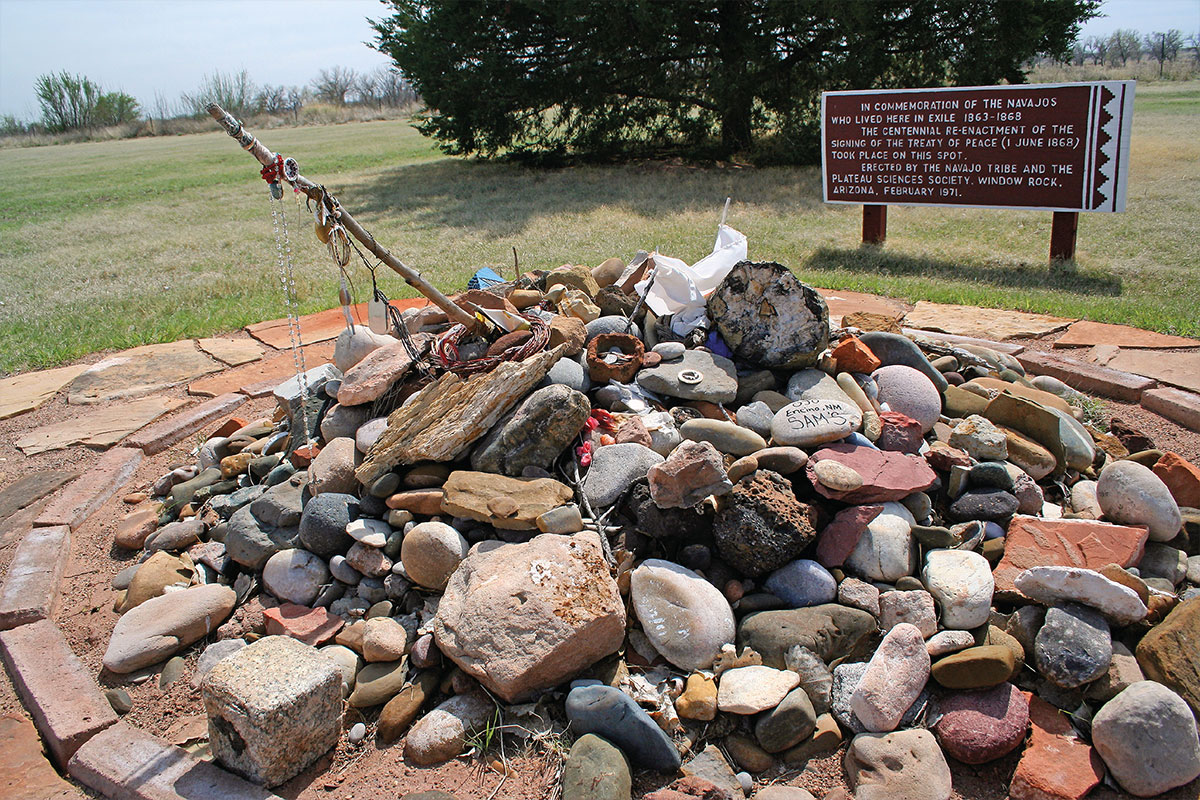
1056, 585
961, 583
749, 690
1131, 494
886, 551
685, 617
894, 678
295, 576
811, 422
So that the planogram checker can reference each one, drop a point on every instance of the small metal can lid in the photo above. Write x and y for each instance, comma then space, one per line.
691, 376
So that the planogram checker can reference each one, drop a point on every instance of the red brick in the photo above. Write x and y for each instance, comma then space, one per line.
1035, 542
126, 763
25, 774
78, 501
1056, 764
161, 435
228, 427
30, 589
55, 686
1087, 377
854, 356
1174, 404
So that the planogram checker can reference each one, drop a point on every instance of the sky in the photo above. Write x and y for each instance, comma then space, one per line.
144, 47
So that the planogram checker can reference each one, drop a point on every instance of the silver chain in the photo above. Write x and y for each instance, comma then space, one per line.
287, 280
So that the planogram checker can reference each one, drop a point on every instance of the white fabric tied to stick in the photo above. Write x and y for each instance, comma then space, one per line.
681, 290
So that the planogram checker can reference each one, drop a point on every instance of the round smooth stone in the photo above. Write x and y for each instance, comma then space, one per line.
977, 727
837, 476
910, 392
725, 436
802, 583
810, 422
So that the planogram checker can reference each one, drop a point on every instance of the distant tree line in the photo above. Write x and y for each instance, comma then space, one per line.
76, 103
1125, 45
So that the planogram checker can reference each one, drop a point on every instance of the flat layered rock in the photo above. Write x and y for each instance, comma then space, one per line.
506, 503
1088, 334
101, 428
1033, 542
31, 390
983, 323
231, 352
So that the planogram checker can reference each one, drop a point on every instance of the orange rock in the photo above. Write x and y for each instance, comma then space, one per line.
854, 356
1182, 478
418, 501
1033, 542
304, 455
132, 531
1056, 763
313, 626
228, 427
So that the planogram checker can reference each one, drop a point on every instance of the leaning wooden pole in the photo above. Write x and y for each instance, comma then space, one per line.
266, 157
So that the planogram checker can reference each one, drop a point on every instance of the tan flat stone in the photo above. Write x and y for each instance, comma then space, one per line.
102, 428
1086, 334
232, 352
842, 302
141, 371
983, 323
1176, 369
30, 390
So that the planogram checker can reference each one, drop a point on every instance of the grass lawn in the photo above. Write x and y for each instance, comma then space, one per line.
109, 245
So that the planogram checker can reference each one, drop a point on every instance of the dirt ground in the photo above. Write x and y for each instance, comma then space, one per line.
358, 772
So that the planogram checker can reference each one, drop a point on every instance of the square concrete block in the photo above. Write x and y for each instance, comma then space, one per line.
273, 708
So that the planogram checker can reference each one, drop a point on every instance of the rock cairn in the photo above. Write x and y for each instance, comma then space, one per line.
756, 540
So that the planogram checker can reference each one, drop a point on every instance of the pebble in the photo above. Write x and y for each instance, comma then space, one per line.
1054, 585
902, 765
383, 639
845, 679
980, 667
699, 698
979, 438
614, 469
802, 583
358, 732
859, 594
909, 392
120, 700
1073, 646
431, 552
806, 423
961, 583
685, 617
749, 690
784, 460
837, 476
345, 573
1131, 494
981, 726
914, 607
595, 770
984, 504
614, 716
757, 417
946, 642
885, 551
441, 734
894, 678
1147, 738
787, 724
295, 576
725, 436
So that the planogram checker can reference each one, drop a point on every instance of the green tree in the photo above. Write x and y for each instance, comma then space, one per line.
1125, 44
68, 101
116, 108
601, 78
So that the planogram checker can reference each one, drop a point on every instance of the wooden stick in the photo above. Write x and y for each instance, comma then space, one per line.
413, 278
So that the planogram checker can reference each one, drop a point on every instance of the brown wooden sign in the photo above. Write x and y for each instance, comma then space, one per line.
1051, 147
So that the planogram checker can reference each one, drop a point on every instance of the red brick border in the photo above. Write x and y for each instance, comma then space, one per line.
81, 498
1087, 377
30, 591
161, 435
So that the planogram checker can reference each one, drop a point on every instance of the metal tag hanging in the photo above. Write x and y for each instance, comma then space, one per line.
377, 316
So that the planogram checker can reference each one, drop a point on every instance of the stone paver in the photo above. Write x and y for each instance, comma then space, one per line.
1174, 404
25, 774
55, 686
1086, 334
261, 377
843, 301
161, 435
231, 352
30, 390
141, 371
1178, 369
1087, 377
99, 427
985, 323
72, 505
28, 489
317, 327
125, 763
30, 589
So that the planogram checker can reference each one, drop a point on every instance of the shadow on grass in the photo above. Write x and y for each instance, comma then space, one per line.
877, 261
501, 199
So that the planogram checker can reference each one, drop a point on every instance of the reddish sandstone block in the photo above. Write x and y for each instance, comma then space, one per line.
125, 763
78, 501
55, 686
313, 626
1035, 542
228, 427
30, 590
161, 435
1056, 765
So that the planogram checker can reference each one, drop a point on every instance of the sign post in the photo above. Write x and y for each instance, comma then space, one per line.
1048, 147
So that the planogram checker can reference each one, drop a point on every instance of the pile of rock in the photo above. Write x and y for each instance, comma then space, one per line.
757, 533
